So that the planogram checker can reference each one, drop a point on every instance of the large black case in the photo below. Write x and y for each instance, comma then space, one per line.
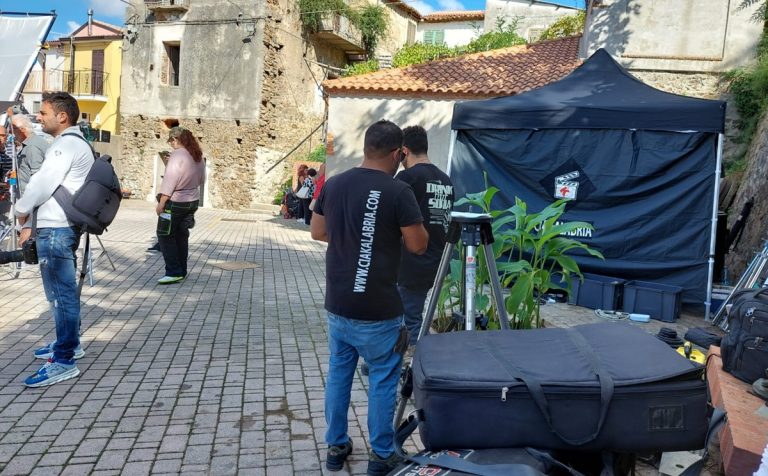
540, 388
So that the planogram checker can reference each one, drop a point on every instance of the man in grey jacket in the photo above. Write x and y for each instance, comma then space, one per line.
67, 163
31, 153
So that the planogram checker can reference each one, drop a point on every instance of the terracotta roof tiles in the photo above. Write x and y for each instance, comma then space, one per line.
502, 72
443, 17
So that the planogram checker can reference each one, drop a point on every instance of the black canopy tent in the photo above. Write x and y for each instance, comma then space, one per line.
641, 165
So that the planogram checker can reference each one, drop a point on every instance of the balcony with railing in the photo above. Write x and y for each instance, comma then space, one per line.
48, 80
338, 31
85, 84
167, 6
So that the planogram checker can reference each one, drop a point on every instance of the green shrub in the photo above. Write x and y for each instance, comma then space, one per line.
361, 68
493, 41
372, 22
565, 26
316, 155
418, 53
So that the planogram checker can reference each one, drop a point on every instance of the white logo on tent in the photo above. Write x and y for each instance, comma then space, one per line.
566, 186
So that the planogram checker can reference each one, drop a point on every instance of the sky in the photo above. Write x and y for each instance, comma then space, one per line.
73, 13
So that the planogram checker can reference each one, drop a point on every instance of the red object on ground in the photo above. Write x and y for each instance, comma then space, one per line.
744, 436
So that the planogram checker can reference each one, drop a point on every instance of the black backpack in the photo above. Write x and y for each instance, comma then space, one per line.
95, 204
744, 348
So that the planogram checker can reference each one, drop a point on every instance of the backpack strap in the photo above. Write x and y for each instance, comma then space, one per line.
63, 196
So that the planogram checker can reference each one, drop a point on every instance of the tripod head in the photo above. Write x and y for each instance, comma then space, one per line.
470, 218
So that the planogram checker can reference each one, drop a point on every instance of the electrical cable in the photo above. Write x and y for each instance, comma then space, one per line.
611, 315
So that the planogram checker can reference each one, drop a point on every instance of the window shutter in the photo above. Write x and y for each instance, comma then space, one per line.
439, 37
429, 37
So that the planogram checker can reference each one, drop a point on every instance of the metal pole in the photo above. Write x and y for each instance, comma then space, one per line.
454, 134
469, 287
713, 231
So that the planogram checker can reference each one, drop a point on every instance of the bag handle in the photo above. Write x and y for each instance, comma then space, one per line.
540, 399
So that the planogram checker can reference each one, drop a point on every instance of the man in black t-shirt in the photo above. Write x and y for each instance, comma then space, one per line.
434, 192
363, 214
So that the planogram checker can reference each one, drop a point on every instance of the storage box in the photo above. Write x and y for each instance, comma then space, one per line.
660, 301
597, 292
719, 295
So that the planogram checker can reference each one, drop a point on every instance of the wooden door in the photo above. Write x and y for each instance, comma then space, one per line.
97, 70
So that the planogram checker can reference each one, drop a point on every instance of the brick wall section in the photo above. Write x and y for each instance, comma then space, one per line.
745, 435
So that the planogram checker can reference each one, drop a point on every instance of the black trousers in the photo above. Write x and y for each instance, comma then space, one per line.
173, 236
307, 212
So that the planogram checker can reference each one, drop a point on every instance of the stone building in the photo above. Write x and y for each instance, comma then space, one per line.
243, 76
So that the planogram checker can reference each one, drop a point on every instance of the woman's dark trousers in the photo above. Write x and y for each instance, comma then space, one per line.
174, 243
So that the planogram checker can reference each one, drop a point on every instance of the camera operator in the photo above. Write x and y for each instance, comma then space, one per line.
363, 213
434, 192
31, 153
67, 162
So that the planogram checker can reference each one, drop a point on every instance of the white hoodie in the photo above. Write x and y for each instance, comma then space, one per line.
67, 162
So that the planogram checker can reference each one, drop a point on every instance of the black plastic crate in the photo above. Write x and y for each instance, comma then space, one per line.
660, 301
597, 292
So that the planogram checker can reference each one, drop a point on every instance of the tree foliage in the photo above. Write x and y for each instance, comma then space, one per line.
565, 26
760, 14
361, 68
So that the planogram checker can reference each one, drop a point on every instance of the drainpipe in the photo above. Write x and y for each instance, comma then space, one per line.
71, 85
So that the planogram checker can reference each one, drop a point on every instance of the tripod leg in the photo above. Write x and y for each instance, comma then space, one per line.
470, 273
104, 252
406, 380
493, 277
437, 287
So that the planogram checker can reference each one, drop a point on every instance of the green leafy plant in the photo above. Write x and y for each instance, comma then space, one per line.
312, 11
418, 53
565, 26
759, 14
532, 255
372, 22
361, 68
503, 36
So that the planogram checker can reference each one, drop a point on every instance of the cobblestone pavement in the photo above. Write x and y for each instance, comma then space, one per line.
222, 374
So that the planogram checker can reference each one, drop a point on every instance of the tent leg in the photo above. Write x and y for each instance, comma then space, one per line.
454, 134
713, 232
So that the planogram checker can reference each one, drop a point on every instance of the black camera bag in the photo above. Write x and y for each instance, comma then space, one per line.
95, 204
603, 387
744, 348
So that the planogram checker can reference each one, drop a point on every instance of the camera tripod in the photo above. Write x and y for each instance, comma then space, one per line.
474, 230
89, 262
749, 279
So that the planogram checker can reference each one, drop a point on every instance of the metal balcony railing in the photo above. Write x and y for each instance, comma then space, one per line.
167, 5
84, 82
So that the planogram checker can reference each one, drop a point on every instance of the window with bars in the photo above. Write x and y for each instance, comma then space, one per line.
434, 37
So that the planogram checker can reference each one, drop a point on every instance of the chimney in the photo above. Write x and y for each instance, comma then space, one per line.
90, 22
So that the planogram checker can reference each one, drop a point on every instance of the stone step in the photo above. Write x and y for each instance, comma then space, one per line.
263, 208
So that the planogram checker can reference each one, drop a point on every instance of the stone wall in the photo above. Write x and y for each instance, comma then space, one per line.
753, 184
699, 85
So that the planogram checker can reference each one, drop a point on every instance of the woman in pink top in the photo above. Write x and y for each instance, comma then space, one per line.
178, 200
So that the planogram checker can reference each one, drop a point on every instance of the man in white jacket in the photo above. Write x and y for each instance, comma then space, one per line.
67, 163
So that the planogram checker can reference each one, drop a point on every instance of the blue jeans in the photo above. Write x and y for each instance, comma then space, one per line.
413, 304
375, 342
58, 267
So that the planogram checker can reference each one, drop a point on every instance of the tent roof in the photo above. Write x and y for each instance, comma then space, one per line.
599, 94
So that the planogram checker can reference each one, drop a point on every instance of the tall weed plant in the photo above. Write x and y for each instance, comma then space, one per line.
532, 255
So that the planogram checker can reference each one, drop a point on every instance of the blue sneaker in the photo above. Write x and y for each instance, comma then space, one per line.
334, 459
46, 352
51, 372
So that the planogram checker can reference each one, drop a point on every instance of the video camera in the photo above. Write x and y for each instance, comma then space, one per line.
27, 253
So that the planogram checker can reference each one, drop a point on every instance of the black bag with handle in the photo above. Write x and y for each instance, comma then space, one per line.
744, 348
